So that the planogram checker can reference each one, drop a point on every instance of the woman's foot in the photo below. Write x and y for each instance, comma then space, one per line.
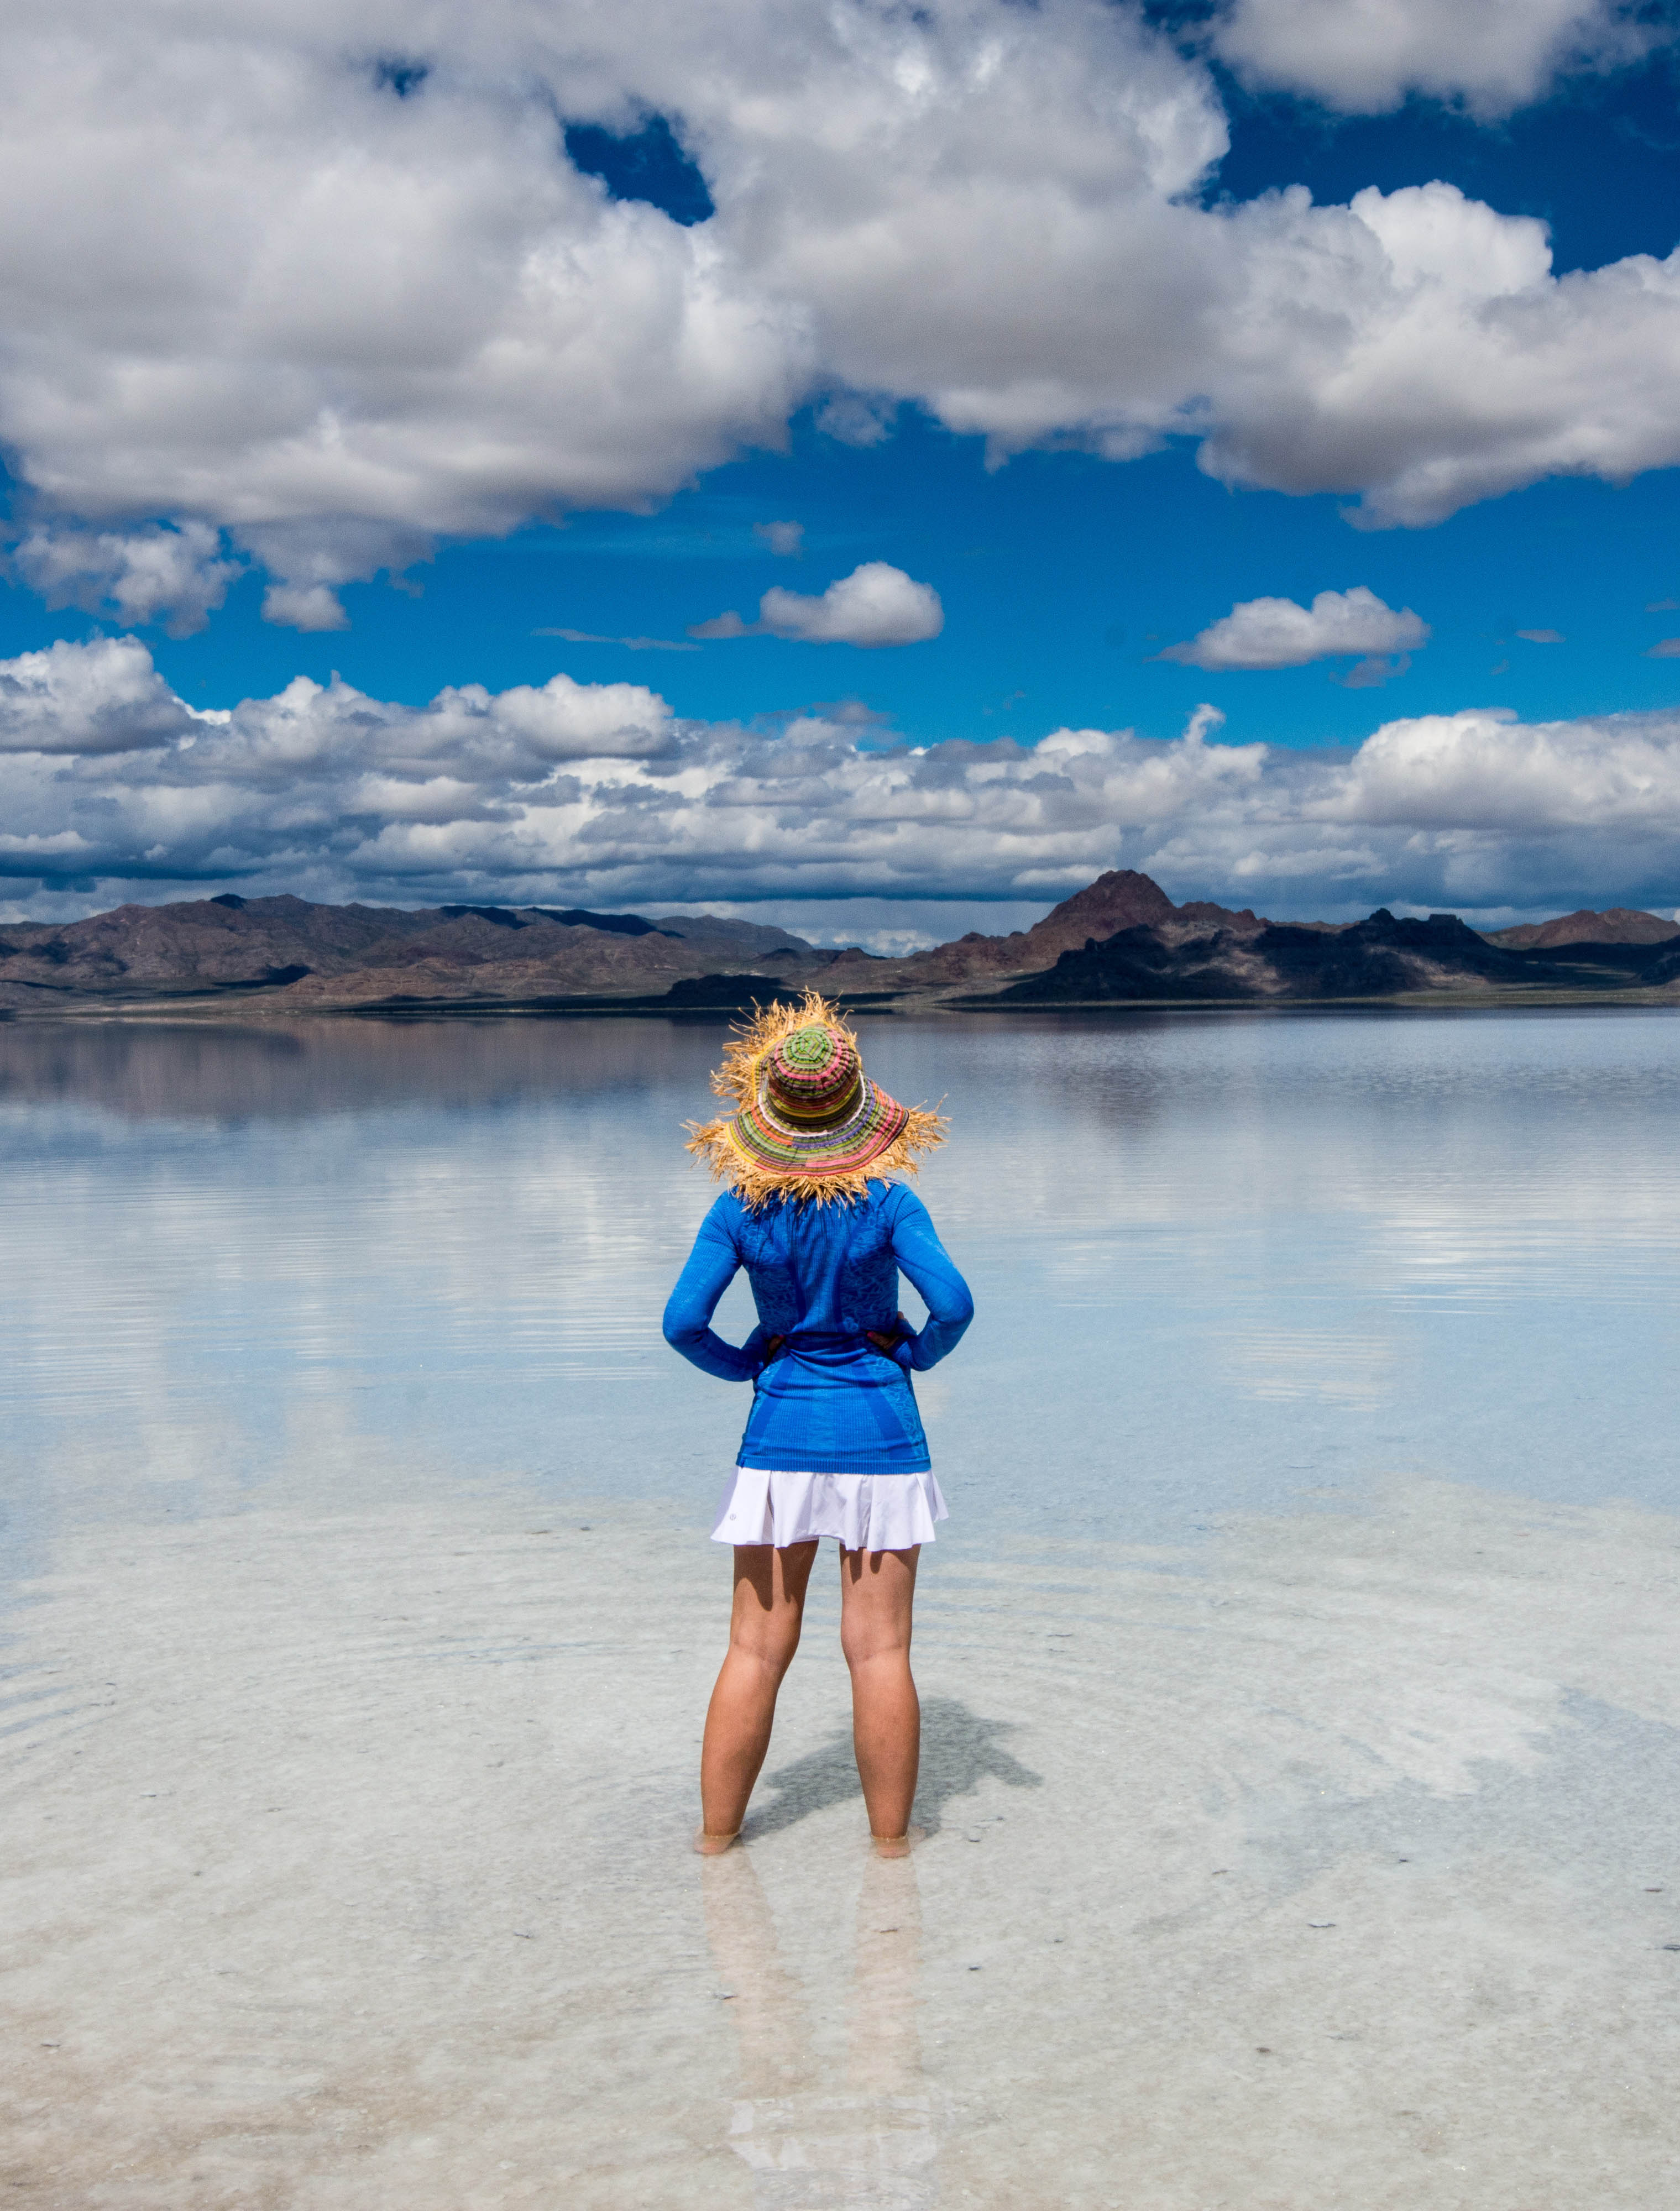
713, 1846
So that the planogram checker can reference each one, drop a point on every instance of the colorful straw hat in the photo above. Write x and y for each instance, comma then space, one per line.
808, 1121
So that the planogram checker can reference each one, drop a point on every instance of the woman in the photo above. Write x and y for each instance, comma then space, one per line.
833, 1445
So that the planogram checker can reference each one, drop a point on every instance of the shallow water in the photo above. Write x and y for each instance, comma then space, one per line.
1298, 1660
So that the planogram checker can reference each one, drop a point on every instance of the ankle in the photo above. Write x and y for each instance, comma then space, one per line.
896, 1846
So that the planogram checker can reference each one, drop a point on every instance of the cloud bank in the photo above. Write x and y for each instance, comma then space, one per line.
598, 795
319, 285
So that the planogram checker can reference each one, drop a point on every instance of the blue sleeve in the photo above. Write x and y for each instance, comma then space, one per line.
925, 1259
711, 1268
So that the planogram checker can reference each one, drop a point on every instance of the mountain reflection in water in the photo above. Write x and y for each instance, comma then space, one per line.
1221, 1260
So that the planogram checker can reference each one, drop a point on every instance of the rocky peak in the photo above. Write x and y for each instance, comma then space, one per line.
1122, 899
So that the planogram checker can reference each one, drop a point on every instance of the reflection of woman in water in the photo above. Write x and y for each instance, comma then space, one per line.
810, 2137
833, 1445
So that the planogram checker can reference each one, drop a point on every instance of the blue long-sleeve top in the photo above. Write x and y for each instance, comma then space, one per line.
825, 1401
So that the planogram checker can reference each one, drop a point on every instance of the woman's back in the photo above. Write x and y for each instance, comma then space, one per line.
825, 1266
823, 1277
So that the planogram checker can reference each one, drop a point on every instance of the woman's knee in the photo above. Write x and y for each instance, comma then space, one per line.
766, 1640
766, 1635
874, 1642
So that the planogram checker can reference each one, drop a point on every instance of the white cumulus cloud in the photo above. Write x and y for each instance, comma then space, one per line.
1363, 57
597, 795
305, 606
876, 604
1279, 634
322, 284
179, 575
90, 699
1482, 769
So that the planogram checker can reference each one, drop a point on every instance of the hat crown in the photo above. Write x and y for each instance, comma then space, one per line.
813, 1075
812, 1047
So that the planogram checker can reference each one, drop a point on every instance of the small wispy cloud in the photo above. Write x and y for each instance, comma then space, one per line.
1541, 636
1665, 648
855, 418
1664, 607
1374, 671
630, 643
785, 539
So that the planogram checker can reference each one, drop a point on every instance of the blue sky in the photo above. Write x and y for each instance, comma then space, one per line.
1062, 574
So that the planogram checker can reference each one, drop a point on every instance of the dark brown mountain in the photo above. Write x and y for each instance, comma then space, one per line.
1617, 925
1380, 957
317, 956
204, 942
1120, 940
311, 957
1122, 899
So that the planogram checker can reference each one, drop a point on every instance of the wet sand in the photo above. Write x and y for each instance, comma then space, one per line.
1328, 1861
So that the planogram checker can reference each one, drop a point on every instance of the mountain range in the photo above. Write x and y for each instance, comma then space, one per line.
1120, 940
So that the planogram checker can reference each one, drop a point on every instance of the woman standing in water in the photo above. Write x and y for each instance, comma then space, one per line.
833, 1444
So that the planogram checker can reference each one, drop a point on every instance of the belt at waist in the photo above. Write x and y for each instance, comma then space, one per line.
819, 1340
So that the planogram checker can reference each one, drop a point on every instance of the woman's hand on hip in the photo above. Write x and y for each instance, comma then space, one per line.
888, 1340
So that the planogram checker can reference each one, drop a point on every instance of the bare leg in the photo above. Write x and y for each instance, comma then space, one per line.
763, 1636
876, 1591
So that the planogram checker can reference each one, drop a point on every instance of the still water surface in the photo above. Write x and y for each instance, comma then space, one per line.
1216, 1260
1299, 1656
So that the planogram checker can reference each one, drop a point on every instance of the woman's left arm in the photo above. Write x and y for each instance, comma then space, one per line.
924, 1258
711, 1269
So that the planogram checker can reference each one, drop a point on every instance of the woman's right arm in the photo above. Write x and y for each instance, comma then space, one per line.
924, 1258
711, 1269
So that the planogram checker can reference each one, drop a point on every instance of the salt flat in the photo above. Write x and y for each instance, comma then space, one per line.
1300, 1775
1330, 1862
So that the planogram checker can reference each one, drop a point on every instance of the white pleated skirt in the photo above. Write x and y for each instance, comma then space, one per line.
862, 1511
